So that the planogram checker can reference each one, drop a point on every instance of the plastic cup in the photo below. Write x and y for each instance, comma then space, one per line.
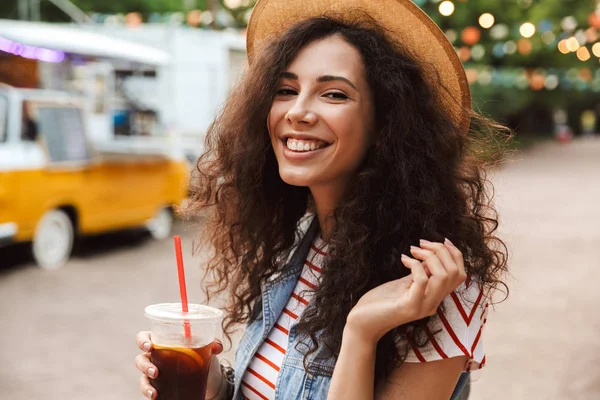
183, 361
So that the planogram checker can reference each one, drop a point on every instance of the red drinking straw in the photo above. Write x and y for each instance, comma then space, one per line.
182, 289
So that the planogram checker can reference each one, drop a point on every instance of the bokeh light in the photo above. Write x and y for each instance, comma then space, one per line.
527, 30
573, 44
562, 47
446, 8
583, 54
470, 35
548, 37
486, 20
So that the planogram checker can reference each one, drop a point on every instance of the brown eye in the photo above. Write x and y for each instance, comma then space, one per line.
336, 96
286, 92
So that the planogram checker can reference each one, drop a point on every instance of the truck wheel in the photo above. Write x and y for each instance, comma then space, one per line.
53, 240
161, 224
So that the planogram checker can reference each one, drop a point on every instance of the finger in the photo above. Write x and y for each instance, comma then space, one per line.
147, 389
411, 262
143, 340
431, 261
441, 252
143, 363
217, 347
457, 256
435, 293
420, 281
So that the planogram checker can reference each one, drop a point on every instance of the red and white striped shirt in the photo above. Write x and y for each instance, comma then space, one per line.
260, 377
459, 329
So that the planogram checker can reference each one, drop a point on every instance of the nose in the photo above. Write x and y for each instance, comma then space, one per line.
301, 114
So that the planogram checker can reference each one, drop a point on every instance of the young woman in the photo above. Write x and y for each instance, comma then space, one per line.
350, 218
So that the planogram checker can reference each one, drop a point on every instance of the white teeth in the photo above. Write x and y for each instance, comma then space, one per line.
304, 145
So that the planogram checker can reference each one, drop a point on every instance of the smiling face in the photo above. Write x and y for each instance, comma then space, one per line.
321, 119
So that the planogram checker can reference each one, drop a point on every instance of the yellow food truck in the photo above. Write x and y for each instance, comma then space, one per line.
54, 185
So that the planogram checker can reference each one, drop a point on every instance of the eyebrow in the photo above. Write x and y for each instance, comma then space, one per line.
322, 78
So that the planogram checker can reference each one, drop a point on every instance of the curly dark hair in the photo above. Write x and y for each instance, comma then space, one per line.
424, 177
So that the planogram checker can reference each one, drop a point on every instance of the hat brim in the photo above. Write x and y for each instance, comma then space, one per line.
404, 23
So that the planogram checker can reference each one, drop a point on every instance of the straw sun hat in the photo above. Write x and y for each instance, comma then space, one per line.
403, 22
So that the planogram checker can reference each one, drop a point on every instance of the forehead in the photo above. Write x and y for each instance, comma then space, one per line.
331, 55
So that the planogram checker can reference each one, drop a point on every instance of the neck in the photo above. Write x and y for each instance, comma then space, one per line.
327, 198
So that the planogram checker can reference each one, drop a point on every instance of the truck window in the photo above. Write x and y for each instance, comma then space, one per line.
29, 124
3, 118
63, 133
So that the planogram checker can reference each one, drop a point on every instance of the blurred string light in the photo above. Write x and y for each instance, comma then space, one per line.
534, 79
573, 44
446, 8
486, 20
470, 35
581, 37
207, 18
551, 82
510, 47
591, 35
477, 52
565, 34
569, 23
583, 54
194, 17
464, 53
133, 19
236, 3
524, 46
548, 37
31, 52
527, 30
562, 47
499, 31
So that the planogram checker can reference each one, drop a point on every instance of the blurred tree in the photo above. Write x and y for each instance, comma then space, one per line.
499, 48
50, 12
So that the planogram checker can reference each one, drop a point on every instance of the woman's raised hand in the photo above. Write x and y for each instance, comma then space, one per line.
149, 370
437, 269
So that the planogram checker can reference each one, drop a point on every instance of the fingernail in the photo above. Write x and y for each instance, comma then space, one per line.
414, 248
423, 241
147, 346
404, 257
149, 393
151, 372
448, 242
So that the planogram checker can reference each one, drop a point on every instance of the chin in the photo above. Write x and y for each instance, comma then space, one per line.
295, 180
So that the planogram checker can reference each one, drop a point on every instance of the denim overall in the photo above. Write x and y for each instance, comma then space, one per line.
294, 381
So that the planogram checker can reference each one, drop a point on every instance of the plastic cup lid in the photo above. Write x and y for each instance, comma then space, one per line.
172, 312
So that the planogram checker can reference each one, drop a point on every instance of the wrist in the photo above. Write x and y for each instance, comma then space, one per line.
359, 340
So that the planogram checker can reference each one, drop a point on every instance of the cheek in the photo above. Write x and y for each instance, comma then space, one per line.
276, 114
353, 141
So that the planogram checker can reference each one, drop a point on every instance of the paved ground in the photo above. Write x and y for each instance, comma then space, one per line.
69, 334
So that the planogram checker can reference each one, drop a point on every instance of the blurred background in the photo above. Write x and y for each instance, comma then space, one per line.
103, 110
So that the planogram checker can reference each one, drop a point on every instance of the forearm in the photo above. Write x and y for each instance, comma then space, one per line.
354, 373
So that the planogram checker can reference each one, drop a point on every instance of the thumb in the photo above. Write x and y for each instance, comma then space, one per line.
217, 347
